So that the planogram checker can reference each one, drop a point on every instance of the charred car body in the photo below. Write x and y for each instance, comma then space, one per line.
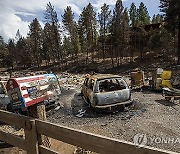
106, 91
4, 99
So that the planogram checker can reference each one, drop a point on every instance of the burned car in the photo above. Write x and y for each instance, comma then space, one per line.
4, 99
106, 91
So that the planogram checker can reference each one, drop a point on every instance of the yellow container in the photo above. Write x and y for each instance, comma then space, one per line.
166, 75
166, 83
137, 78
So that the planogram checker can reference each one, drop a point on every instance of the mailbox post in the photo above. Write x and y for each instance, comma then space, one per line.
29, 94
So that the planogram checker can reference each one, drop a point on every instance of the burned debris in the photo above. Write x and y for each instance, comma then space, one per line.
97, 108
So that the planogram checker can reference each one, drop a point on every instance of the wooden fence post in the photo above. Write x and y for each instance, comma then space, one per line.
38, 111
31, 137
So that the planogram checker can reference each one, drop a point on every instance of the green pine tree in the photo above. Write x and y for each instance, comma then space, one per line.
104, 21
22, 54
71, 27
143, 15
51, 17
35, 35
11, 58
87, 29
133, 14
117, 31
171, 8
126, 33
157, 19
3, 51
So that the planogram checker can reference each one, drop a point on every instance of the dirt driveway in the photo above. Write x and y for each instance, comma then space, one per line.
150, 115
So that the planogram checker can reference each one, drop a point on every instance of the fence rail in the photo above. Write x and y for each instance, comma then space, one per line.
88, 141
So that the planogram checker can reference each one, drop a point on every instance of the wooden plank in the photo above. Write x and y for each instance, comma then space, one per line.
12, 140
173, 96
45, 150
31, 138
92, 142
13, 119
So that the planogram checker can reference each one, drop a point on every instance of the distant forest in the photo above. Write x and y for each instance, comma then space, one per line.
120, 35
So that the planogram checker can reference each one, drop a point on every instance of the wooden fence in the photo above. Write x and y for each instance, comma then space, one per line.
34, 127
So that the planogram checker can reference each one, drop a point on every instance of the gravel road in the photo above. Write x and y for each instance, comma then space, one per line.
150, 114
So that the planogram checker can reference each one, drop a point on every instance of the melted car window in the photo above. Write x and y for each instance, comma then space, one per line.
122, 84
86, 82
91, 85
113, 84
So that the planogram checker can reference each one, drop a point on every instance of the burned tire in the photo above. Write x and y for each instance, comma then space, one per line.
88, 102
167, 98
121, 108
129, 104
9, 108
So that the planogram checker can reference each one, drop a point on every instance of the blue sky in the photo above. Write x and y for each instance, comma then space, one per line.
17, 14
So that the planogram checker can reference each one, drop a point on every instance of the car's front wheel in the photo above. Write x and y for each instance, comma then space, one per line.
121, 108
9, 108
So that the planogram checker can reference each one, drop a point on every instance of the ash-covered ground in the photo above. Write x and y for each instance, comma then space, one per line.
150, 115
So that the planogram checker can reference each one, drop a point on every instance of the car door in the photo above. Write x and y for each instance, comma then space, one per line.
90, 90
85, 87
